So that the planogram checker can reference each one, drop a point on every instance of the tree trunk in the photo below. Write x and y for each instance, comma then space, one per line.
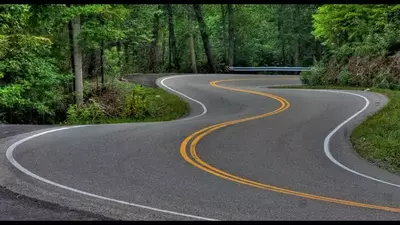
163, 46
153, 45
119, 50
76, 29
204, 36
318, 51
102, 64
231, 30
280, 33
191, 41
126, 54
71, 49
223, 33
169, 54
91, 69
296, 53
102, 58
295, 17
173, 49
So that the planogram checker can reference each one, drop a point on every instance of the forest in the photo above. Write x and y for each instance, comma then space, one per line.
62, 63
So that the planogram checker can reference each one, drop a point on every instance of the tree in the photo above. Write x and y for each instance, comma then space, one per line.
110, 40
296, 39
191, 41
154, 50
174, 55
223, 32
357, 29
231, 35
203, 31
29, 78
77, 62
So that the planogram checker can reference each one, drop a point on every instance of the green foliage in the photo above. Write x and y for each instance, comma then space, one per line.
153, 103
30, 85
315, 76
13, 18
161, 104
135, 106
106, 24
357, 29
27, 65
344, 76
86, 114
112, 68
361, 41
35, 61
10, 96
131, 103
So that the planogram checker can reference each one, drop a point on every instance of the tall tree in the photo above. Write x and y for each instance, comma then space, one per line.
204, 35
231, 35
154, 50
296, 44
76, 29
102, 57
173, 49
71, 49
191, 41
281, 35
223, 33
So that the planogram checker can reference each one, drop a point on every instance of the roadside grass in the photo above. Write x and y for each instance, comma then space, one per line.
154, 104
377, 138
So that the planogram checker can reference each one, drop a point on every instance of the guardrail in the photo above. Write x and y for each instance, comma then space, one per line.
268, 68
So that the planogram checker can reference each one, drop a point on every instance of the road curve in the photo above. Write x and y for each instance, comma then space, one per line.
245, 152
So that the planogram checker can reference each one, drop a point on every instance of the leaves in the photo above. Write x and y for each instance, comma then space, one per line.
35, 60
356, 29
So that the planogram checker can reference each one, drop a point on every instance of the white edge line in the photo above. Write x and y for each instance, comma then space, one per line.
10, 157
10, 150
179, 93
328, 138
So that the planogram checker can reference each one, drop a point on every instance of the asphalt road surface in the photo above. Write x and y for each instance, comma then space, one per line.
245, 152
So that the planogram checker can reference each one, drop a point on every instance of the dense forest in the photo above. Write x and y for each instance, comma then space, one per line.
60, 62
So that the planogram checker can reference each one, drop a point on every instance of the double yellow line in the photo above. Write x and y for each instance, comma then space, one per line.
197, 162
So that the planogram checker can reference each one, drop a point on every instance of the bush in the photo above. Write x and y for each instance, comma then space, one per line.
315, 76
135, 106
126, 102
87, 114
111, 61
156, 106
31, 87
381, 80
153, 103
344, 76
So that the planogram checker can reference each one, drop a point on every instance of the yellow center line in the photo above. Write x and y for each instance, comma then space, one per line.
197, 162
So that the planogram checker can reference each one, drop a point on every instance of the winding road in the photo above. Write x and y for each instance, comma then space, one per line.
245, 152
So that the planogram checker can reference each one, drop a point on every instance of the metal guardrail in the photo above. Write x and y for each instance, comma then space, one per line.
268, 68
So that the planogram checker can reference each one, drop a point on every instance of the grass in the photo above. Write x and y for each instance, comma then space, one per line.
377, 138
160, 106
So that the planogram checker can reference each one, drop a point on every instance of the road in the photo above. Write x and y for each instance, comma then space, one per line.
245, 152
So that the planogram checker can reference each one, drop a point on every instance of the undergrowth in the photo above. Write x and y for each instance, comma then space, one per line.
123, 102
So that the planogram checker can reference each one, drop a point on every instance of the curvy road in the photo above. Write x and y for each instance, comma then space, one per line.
245, 152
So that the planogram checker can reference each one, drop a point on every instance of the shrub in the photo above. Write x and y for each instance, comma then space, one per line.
31, 85
315, 76
344, 76
156, 105
135, 106
88, 113
381, 80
